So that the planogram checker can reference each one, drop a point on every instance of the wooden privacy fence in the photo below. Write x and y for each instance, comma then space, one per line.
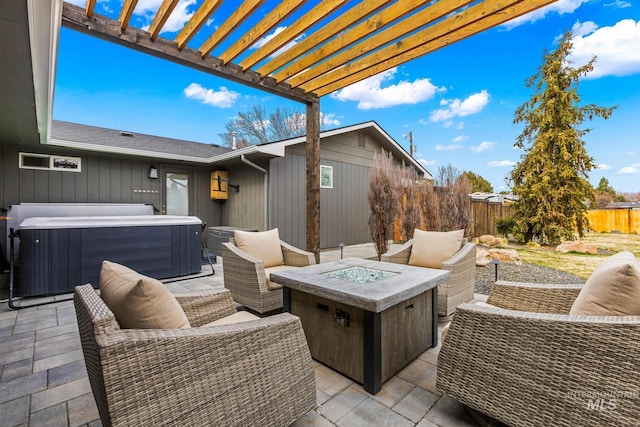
484, 215
607, 220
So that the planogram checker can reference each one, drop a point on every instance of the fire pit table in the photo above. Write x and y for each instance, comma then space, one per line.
363, 318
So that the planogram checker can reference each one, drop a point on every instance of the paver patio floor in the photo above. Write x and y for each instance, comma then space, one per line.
43, 380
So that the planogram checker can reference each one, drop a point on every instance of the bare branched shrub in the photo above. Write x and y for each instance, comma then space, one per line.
461, 192
430, 206
446, 204
384, 200
410, 216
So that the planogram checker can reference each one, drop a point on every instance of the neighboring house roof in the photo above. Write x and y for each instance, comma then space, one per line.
92, 138
623, 205
494, 197
392, 144
135, 143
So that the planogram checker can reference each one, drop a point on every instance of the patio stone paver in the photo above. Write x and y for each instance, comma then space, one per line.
53, 416
43, 378
62, 393
82, 410
416, 404
15, 412
341, 404
370, 413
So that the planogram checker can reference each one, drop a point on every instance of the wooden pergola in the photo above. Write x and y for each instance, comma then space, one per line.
345, 42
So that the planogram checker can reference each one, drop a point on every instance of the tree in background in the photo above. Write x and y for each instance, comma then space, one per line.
551, 178
257, 126
478, 183
384, 200
605, 194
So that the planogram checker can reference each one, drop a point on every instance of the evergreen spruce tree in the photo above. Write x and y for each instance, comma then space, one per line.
551, 177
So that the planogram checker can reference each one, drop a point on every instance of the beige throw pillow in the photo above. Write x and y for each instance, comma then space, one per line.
613, 289
264, 245
139, 302
432, 248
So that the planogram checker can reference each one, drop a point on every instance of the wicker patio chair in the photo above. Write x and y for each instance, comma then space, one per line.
251, 373
248, 279
461, 284
525, 361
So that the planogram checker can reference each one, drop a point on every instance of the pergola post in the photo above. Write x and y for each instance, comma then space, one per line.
313, 178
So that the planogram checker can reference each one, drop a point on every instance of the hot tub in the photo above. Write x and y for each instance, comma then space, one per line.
58, 253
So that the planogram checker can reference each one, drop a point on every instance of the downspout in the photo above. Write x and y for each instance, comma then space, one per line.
266, 188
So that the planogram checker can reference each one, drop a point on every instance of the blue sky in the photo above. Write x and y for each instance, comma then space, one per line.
458, 102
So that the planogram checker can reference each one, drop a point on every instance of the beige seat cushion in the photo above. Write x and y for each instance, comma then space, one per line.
139, 302
264, 245
432, 248
273, 285
613, 289
240, 316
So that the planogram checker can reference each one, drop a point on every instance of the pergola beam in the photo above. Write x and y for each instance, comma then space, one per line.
243, 11
380, 38
292, 31
161, 17
277, 15
462, 25
196, 22
372, 25
327, 31
125, 14
107, 29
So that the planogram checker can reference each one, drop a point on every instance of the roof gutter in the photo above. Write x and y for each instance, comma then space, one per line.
266, 188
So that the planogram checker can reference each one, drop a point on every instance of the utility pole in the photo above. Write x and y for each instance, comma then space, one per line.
412, 148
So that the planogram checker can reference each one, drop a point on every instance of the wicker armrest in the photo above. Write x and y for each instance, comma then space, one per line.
296, 257
205, 307
534, 297
250, 373
542, 369
400, 255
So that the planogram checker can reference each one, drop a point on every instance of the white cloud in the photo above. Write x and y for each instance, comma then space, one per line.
617, 49
460, 125
223, 98
631, 153
580, 29
484, 146
447, 124
603, 166
329, 119
620, 4
426, 162
370, 94
147, 9
456, 108
268, 38
560, 7
460, 138
630, 170
501, 163
449, 147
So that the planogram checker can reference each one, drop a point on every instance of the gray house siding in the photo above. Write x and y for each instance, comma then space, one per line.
344, 209
103, 178
287, 189
244, 208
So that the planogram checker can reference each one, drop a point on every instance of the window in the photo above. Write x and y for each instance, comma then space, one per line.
326, 176
49, 162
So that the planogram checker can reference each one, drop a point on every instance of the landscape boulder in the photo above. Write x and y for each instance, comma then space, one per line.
576, 246
483, 257
509, 256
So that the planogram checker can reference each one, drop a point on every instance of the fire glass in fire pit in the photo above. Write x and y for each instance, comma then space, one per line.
360, 274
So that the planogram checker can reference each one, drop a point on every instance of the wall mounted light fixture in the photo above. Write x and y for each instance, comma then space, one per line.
153, 172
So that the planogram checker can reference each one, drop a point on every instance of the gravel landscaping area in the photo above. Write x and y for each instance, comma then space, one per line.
485, 276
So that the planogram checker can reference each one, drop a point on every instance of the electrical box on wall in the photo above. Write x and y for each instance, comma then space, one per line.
219, 185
